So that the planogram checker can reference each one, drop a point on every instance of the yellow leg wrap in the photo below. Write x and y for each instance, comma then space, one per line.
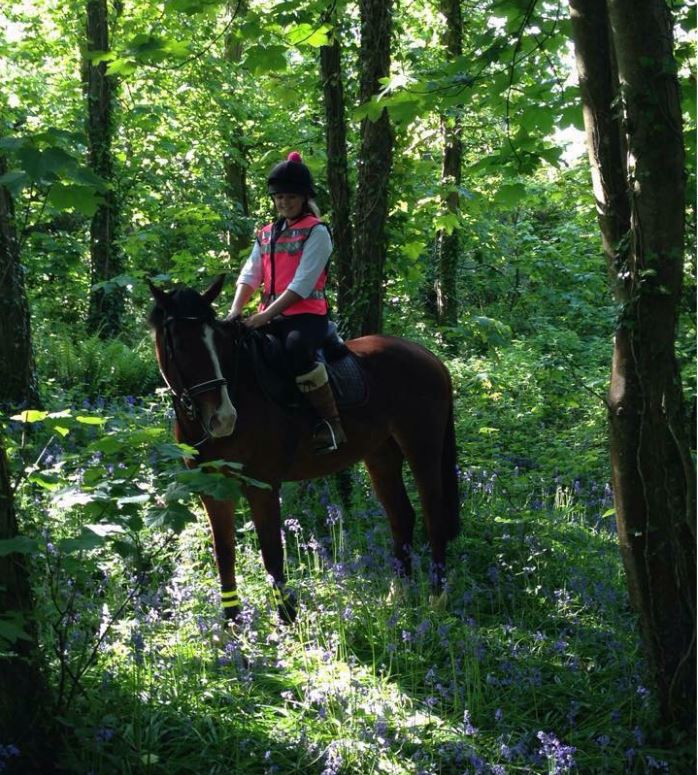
280, 597
230, 599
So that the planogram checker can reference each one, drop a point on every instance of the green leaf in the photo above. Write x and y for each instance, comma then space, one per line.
107, 444
174, 516
122, 66
372, 110
69, 196
510, 194
215, 485
15, 181
30, 159
85, 542
46, 481
538, 118
12, 628
172, 451
446, 222
265, 59
309, 35
30, 416
12, 143
413, 250
137, 499
17, 545
405, 111
90, 419
96, 57
104, 530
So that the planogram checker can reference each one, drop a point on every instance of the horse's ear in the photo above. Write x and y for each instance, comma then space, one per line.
158, 294
213, 290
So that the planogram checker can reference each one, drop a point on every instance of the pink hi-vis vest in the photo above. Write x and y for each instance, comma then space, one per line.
280, 261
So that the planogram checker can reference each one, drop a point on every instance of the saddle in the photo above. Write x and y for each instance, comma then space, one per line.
346, 377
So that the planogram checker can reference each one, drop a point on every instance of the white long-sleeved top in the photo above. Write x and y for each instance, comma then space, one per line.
316, 253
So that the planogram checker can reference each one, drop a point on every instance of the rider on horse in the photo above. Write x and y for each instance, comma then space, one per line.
289, 259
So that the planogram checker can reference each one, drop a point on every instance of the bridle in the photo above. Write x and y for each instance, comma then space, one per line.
185, 397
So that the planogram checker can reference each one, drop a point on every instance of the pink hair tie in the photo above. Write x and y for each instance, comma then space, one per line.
295, 156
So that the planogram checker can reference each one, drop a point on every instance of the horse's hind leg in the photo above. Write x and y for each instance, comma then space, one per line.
424, 455
221, 516
385, 469
266, 515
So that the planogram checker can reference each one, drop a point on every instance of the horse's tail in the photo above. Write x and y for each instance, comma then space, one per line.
449, 475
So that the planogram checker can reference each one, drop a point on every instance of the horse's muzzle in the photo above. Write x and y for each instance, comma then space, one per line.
222, 423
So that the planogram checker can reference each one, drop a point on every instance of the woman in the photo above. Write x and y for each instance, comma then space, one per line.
289, 259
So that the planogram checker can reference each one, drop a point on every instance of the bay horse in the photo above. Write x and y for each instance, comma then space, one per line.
221, 409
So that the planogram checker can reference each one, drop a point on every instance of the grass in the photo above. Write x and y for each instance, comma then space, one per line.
533, 666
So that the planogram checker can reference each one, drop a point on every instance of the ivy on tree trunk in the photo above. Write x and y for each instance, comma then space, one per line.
375, 161
633, 122
448, 241
337, 172
106, 303
25, 703
18, 383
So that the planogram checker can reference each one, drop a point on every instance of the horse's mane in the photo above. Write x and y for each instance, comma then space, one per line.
182, 302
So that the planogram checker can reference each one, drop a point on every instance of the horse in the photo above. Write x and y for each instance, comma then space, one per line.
221, 409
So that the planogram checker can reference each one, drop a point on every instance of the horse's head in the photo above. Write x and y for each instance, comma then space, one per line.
187, 342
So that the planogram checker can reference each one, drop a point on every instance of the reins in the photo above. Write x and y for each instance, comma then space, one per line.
185, 398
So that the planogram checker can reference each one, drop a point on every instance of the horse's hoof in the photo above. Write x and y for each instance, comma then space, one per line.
438, 601
231, 615
286, 604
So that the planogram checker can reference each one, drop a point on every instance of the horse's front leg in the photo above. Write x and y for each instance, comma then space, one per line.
266, 515
221, 517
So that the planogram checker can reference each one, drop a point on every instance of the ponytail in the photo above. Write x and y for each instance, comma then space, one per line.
311, 206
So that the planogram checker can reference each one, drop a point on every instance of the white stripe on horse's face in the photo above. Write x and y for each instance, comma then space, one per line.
222, 421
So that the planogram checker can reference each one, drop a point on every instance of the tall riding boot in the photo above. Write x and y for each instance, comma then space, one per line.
328, 433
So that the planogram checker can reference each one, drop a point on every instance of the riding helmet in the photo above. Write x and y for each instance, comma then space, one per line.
291, 177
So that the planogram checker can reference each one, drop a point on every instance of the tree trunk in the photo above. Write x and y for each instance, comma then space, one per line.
239, 233
235, 162
18, 383
633, 122
106, 304
24, 696
375, 161
337, 173
448, 245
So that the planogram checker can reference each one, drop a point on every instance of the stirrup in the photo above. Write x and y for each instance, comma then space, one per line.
321, 444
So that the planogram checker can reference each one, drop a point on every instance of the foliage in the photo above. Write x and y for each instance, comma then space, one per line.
533, 664
535, 661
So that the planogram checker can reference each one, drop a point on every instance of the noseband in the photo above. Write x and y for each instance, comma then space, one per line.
185, 397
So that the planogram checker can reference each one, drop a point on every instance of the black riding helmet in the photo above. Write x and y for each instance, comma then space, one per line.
291, 177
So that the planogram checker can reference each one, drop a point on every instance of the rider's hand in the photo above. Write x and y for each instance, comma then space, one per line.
257, 320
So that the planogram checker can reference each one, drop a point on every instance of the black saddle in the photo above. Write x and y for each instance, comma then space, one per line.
346, 377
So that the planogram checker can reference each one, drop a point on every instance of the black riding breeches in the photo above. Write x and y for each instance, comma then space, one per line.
301, 336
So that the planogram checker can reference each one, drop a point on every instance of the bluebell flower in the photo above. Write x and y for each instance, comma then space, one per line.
104, 735
560, 755
468, 727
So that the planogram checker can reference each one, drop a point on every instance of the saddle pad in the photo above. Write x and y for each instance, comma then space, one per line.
346, 378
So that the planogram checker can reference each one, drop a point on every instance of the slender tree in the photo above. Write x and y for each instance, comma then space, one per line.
235, 162
18, 383
337, 169
106, 304
633, 124
448, 244
374, 164
25, 719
